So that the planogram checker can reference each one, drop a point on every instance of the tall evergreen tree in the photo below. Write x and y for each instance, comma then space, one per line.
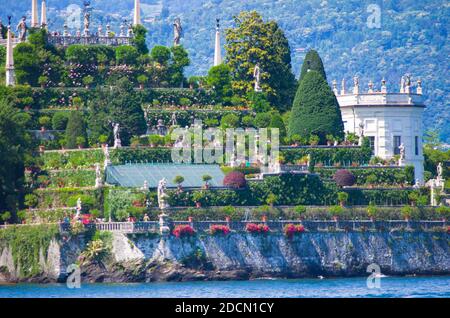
315, 110
254, 41
312, 62
75, 128
13, 150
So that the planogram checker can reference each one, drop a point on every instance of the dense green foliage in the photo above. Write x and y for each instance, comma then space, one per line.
255, 42
315, 110
312, 62
76, 129
26, 243
13, 150
328, 156
374, 176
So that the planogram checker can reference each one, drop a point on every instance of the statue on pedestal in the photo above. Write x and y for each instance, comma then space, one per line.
257, 77
78, 209
361, 133
98, 176
177, 30
162, 196
402, 154
117, 141
106, 152
22, 29
439, 170
173, 120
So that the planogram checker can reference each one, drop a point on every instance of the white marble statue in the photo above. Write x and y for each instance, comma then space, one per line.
257, 77
107, 158
98, 176
22, 29
439, 170
402, 152
361, 133
78, 209
162, 196
117, 141
173, 120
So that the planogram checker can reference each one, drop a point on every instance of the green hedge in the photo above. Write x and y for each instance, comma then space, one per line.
381, 196
72, 159
184, 117
384, 175
72, 178
66, 197
61, 97
328, 156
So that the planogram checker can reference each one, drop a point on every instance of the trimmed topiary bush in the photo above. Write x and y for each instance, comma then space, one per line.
344, 178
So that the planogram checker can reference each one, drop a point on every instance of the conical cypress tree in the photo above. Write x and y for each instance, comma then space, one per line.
315, 110
312, 62
75, 128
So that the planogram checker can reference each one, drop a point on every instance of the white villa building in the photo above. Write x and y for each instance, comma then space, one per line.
391, 121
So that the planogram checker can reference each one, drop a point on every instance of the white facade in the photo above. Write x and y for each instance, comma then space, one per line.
389, 120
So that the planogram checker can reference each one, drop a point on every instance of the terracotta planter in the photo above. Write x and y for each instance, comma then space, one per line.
41, 148
264, 218
190, 219
198, 205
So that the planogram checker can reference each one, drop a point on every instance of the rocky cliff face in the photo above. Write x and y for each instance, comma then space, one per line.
139, 258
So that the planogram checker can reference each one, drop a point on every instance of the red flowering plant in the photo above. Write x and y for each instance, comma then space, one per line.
257, 228
183, 231
218, 229
291, 229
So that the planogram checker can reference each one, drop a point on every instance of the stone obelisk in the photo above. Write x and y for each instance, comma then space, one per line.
10, 75
137, 12
34, 14
44, 14
217, 49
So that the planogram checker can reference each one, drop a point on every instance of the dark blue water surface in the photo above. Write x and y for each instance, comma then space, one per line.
342, 287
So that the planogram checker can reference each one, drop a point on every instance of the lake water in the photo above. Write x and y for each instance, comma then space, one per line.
342, 287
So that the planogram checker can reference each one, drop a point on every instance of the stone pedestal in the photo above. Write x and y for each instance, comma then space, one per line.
164, 224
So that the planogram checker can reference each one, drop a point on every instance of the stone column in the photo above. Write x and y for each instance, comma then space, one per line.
34, 14
44, 14
217, 48
137, 13
164, 224
10, 73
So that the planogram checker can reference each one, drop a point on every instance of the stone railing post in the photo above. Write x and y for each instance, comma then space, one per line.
164, 224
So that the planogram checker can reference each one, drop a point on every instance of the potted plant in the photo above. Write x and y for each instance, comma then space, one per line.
372, 211
179, 181
342, 198
336, 211
271, 199
142, 80
330, 140
300, 210
206, 178
81, 141
87, 81
42, 81
44, 121
103, 140
407, 212
314, 140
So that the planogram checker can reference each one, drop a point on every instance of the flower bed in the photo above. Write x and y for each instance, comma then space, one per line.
181, 231
217, 229
291, 229
257, 228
